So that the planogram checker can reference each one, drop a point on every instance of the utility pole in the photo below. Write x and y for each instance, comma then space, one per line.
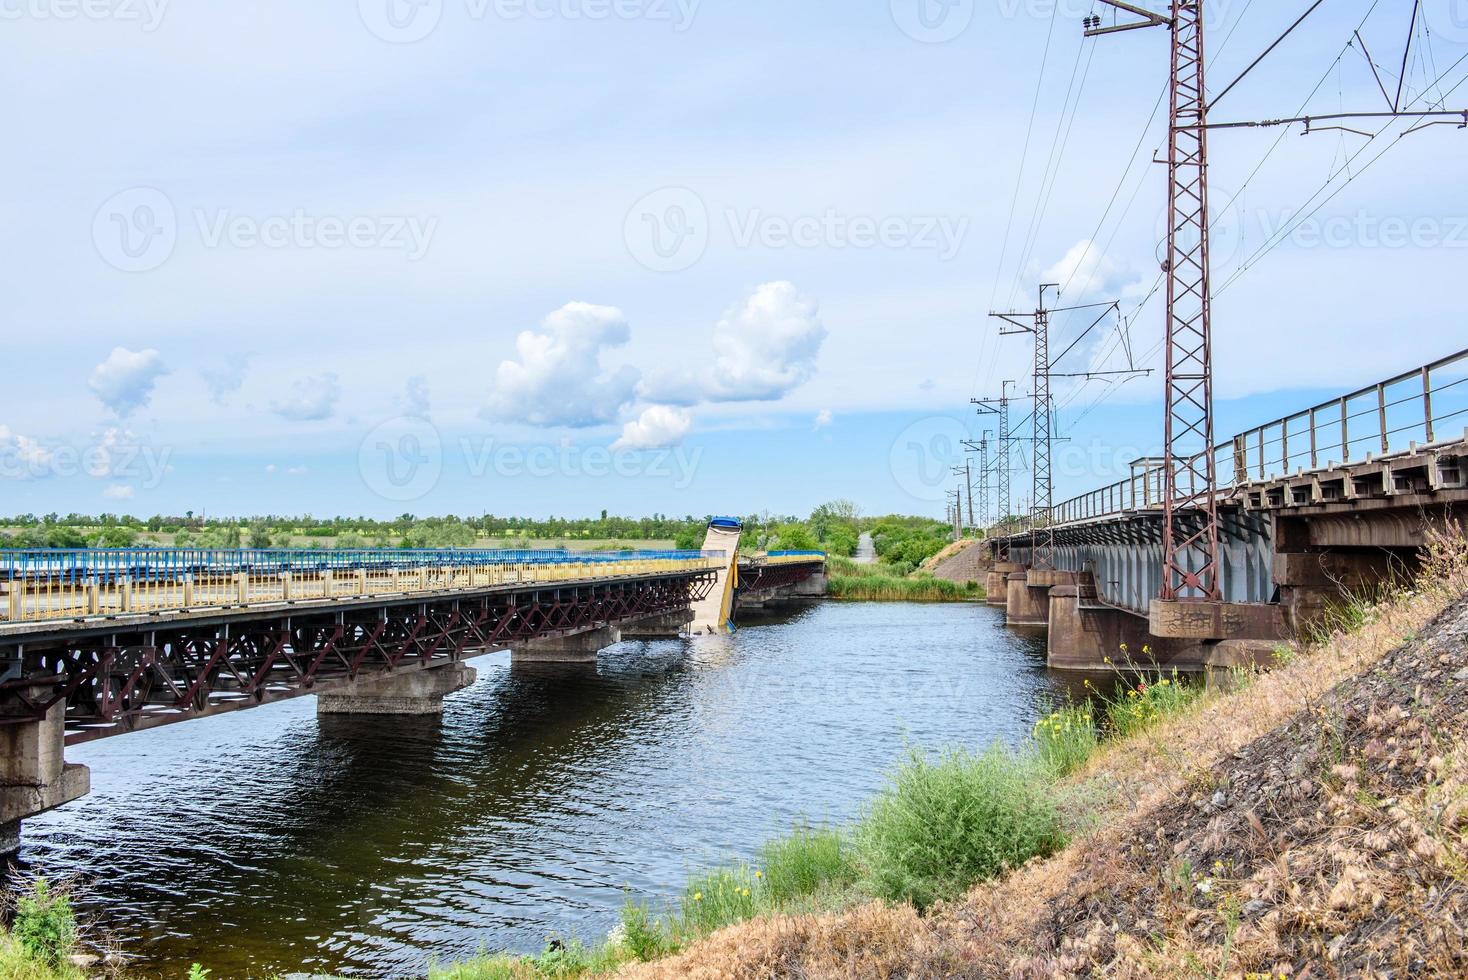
1042, 536
1190, 567
966, 471
1000, 407
982, 448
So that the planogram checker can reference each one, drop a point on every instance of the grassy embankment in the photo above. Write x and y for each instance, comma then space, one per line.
881, 583
1312, 818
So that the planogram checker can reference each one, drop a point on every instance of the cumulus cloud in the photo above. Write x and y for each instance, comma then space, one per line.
311, 400
118, 491
558, 378
657, 427
225, 379
823, 418
21, 456
766, 347
1085, 272
124, 381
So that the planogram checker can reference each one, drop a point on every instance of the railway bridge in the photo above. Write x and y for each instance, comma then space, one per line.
1332, 500
97, 643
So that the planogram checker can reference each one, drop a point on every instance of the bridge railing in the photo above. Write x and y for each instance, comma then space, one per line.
1417, 406
47, 584
793, 557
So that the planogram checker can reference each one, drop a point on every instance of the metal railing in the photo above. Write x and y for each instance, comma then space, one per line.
1411, 408
1414, 407
792, 557
46, 584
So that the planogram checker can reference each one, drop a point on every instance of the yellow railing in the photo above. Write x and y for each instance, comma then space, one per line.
41, 590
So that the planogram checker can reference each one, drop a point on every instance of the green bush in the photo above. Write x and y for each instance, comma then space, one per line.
44, 925
1136, 708
642, 935
717, 898
805, 862
944, 825
1065, 738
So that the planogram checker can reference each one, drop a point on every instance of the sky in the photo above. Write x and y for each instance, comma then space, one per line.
672, 256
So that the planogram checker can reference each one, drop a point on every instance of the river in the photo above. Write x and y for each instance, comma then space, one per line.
275, 841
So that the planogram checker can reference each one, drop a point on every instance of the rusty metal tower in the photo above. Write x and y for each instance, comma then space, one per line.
1190, 565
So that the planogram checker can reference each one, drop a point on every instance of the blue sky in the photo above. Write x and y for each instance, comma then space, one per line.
554, 256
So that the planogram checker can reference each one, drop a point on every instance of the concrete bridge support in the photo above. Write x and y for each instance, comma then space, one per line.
34, 776
575, 648
996, 582
418, 692
666, 626
1027, 597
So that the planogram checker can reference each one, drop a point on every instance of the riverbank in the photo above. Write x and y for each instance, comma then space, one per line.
1312, 817
854, 582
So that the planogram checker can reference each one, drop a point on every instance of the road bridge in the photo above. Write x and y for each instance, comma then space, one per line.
97, 643
1336, 498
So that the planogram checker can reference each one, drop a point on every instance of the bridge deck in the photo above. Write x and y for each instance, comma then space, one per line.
49, 590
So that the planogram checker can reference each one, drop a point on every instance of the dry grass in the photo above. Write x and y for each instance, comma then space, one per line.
1310, 824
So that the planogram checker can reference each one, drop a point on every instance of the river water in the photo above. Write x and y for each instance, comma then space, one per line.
275, 841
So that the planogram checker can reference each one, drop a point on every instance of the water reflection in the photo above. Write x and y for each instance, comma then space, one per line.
272, 840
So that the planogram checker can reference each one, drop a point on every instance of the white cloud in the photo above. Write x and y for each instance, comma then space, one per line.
118, 491
767, 347
298, 471
124, 381
823, 418
415, 401
225, 379
312, 399
1085, 272
559, 379
114, 447
764, 348
21, 456
270, 467
658, 426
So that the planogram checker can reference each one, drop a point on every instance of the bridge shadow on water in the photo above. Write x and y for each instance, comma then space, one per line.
273, 840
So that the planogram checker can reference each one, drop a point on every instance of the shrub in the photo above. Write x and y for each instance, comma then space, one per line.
942, 826
1065, 738
643, 936
803, 863
717, 898
1137, 708
44, 925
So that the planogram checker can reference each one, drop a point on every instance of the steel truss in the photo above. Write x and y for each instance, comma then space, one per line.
121, 682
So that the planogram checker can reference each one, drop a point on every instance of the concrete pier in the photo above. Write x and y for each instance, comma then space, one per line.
996, 582
665, 626
418, 692
1025, 606
575, 648
34, 776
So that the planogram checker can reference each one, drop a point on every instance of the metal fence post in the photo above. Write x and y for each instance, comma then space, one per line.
1427, 401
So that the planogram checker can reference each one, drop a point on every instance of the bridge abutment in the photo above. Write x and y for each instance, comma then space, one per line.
34, 775
1027, 599
419, 692
574, 648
